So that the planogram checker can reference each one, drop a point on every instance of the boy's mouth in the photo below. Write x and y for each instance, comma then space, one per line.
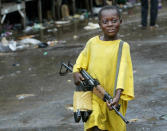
111, 30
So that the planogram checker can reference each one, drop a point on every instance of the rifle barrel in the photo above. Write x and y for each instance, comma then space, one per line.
123, 118
67, 67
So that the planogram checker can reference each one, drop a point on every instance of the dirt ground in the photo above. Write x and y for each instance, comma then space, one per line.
34, 97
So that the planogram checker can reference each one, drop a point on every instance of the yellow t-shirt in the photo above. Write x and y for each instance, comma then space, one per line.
99, 59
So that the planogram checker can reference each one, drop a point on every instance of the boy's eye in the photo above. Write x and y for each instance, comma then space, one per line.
115, 21
112, 21
104, 21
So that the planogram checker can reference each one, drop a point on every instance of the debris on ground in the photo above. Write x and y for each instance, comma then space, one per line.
92, 26
75, 37
133, 120
62, 22
22, 96
69, 80
4, 45
26, 36
42, 45
52, 30
38, 26
45, 53
163, 117
35, 27
69, 107
27, 41
16, 64
31, 41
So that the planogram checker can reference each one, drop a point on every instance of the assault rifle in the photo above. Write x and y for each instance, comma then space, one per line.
95, 85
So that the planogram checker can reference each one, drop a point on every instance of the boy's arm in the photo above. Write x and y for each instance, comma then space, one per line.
125, 76
115, 101
83, 59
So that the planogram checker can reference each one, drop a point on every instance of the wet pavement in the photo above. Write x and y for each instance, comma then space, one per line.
33, 97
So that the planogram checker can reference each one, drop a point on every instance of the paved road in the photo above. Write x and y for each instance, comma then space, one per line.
33, 97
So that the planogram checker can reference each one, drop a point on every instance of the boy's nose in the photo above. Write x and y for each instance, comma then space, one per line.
110, 23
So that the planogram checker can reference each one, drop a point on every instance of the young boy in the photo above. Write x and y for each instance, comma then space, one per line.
99, 59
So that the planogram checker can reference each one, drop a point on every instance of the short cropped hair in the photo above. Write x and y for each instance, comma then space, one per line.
112, 7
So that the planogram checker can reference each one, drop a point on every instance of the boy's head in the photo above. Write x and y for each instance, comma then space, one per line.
110, 20
112, 7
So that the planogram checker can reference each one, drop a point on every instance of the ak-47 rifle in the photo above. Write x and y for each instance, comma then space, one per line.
95, 87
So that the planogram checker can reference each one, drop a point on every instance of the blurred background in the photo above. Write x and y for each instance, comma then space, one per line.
36, 36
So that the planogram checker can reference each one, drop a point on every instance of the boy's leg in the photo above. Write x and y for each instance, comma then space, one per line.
96, 129
153, 12
144, 12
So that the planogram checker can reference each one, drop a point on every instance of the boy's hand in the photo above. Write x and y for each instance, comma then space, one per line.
77, 78
113, 103
115, 100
